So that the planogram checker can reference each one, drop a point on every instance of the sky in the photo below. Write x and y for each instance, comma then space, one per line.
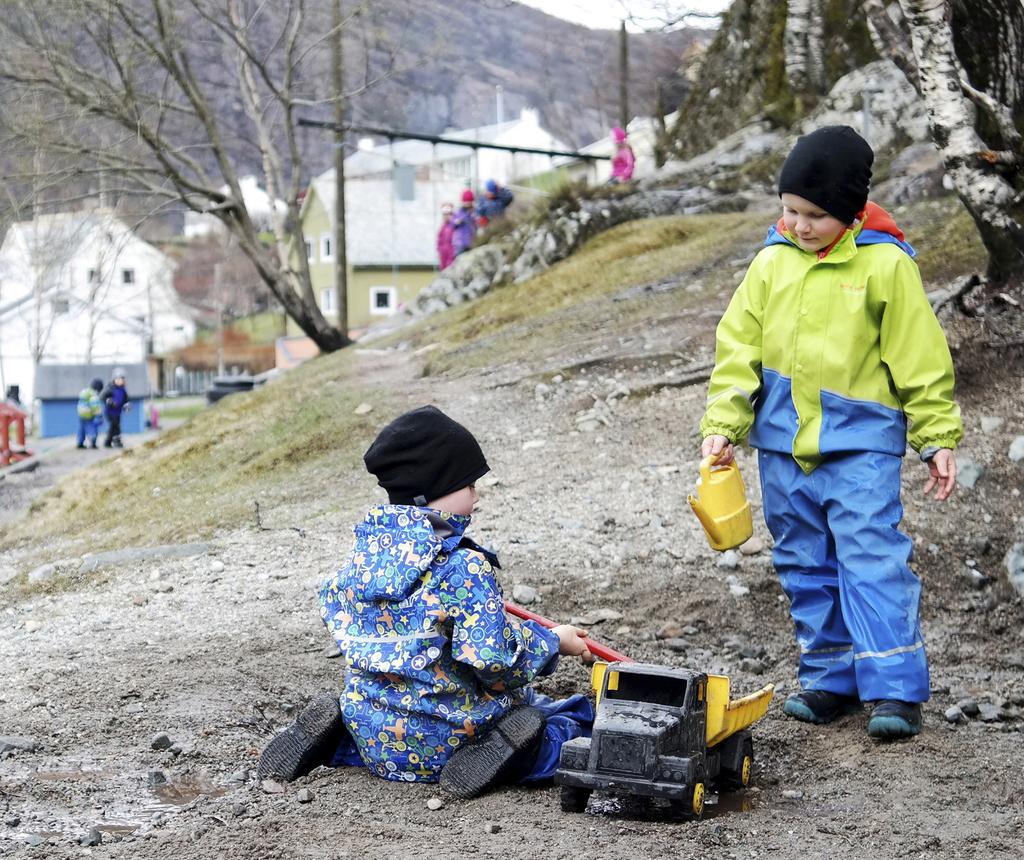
607, 14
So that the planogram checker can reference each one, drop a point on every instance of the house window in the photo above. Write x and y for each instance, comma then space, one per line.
383, 300
127, 276
327, 300
326, 248
309, 250
61, 306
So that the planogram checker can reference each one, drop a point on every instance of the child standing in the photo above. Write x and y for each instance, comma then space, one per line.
116, 400
436, 686
90, 413
624, 160
445, 251
464, 224
830, 357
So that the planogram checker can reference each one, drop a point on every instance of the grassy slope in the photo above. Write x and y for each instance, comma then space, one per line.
292, 441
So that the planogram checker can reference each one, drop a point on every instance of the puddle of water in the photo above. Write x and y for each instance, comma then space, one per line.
71, 775
649, 809
184, 790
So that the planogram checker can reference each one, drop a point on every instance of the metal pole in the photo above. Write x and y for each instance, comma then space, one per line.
219, 292
623, 77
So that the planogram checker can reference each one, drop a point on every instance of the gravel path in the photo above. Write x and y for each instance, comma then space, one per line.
145, 696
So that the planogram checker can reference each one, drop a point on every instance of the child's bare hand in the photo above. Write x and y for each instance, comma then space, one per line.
942, 471
718, 447
571, 642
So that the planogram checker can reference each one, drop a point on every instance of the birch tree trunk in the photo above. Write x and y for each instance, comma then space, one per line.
804, 46
984, 175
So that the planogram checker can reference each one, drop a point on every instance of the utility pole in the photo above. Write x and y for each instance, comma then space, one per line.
340, 252
623, 77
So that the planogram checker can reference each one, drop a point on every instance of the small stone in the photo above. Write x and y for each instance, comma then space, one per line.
678, 645
13, 742
239, 808
524, 594
271, 786
1017, 449
1015, 567
690, 630
534, 443
434, 804
976, 578
969, 707
729, 560
332, 651
669, 630
217, 566
989, 713
163, 587
12, 821
156, 777
968, 473
304, 795
792, 794
557, 379
241, 776
540, 390
34, 840
736, 588
43, 573
90, 838
752, 665
955, 715
492, 827
753, 546
363, 409
595, 616
991, 423
161, 741
140, 599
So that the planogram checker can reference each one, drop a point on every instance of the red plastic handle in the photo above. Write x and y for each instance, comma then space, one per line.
602, 652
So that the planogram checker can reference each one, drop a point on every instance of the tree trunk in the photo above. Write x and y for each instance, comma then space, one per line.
804, 45
890, 39
983, 183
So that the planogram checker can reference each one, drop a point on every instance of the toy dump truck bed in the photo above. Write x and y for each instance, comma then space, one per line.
725, 717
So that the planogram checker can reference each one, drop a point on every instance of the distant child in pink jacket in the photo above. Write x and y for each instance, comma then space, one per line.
624, 160
445, 251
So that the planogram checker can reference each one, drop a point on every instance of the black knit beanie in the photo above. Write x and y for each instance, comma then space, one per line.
830, 167
424, 455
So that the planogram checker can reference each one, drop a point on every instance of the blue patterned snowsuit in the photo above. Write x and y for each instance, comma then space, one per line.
432, 659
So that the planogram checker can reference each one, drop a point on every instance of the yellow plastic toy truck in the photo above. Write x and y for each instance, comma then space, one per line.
661, 733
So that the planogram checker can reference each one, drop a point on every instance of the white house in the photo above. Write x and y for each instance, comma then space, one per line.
82, 288
257, 203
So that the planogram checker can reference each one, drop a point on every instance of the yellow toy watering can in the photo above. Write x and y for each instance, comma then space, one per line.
721, 505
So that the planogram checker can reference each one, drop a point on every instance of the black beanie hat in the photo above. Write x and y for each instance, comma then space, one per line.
830, 167
96, 385
424, 455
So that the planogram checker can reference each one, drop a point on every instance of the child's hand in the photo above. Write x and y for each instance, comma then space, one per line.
571, 643
719, 447
942, 471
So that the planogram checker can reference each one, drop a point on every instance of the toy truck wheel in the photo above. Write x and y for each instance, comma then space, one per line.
691, 807
574, 799
733, 780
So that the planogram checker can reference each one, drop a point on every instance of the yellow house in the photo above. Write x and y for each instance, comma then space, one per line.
391, 225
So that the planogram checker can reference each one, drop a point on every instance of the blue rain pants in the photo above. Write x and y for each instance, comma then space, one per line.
843, 563
564, 719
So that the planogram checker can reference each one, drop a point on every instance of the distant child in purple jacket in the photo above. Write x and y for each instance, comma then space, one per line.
624, 161
464, 224
445, 251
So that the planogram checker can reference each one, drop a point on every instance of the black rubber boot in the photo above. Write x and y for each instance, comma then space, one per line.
505, 753
819, 706
307, 743
891, 720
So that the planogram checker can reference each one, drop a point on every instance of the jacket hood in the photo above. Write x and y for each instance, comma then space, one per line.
875, 226
395, 546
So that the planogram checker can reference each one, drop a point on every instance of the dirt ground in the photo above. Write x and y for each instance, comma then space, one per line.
216, 651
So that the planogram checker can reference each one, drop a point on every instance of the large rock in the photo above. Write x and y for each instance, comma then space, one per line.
1015, 567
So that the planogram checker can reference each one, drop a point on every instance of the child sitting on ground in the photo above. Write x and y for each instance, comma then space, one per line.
437, 675
827, 351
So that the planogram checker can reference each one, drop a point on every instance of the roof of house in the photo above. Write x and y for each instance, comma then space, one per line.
66, 381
